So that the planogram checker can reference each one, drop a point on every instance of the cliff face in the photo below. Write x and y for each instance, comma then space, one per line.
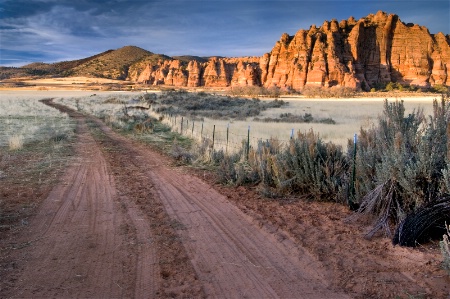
352, 53
216, 72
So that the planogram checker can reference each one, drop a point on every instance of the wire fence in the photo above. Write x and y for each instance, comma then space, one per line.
225, 137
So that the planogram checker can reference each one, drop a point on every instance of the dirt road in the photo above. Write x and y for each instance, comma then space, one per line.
123, 224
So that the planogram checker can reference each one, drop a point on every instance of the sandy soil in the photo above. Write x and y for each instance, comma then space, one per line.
125, 223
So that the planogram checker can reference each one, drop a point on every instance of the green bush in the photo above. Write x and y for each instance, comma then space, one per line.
440, 88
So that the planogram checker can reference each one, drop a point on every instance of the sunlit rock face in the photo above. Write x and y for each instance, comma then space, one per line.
351, 53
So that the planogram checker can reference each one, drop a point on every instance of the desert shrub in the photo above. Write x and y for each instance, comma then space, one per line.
328, 92
236, 169
445, 249
214, 106
149, 98
58, 137
312, 167
181, 154
327, 120
291, 118
306, 166
113, 100
255, 91
401, 163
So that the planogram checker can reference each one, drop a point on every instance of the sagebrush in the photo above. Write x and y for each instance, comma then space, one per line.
402, 163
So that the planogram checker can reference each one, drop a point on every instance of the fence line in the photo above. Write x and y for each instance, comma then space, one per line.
224, 138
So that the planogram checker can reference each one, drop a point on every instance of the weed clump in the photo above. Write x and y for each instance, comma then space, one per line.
291, 118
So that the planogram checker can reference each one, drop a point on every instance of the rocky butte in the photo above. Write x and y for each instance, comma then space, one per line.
351, 53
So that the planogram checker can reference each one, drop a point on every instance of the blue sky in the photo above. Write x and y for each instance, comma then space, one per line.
57, 30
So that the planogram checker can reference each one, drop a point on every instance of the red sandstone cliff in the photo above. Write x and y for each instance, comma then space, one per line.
216, 72
352, 53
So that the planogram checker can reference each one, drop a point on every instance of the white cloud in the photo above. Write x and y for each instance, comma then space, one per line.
76, 29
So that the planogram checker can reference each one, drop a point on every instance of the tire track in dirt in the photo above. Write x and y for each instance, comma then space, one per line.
230, 253
178, 277
232, 256
82, 242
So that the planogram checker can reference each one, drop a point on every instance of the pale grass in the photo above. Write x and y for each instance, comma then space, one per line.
16, 142
24, 119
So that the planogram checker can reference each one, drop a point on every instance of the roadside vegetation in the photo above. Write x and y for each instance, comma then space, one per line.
35, 145
23, 121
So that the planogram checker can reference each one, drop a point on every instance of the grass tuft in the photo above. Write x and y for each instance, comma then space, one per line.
15, 142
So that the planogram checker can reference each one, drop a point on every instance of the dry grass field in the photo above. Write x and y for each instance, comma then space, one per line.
349, 114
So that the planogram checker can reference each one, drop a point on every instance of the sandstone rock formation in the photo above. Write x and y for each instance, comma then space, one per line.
216, 72
352, 53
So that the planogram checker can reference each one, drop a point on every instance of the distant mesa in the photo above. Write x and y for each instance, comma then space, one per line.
359, 54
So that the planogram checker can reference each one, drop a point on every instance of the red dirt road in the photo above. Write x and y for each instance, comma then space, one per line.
123, 224
79, 246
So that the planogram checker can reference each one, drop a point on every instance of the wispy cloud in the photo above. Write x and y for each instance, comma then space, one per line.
67, 29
